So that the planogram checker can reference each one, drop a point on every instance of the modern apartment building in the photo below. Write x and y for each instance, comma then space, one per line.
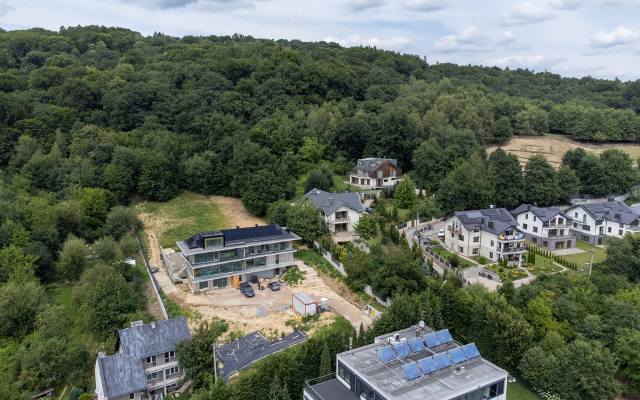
594, 222
548, 227
492, 233
411, 364
341, 212
227, 257
145, 365
375, 173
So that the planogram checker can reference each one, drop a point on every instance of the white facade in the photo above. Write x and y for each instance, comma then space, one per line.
342, 223
588, 229
362, 180
554, 234
508, 245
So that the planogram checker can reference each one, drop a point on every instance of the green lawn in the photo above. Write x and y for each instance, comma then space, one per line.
507, 274
543, 265
515, 391
582, 258
315, 260
182, 216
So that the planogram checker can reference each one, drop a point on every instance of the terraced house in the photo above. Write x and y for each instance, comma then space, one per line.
594, 222
145, 365
548, 227
492, 233
227, 257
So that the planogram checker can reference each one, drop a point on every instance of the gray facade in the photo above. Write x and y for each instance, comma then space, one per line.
227, 257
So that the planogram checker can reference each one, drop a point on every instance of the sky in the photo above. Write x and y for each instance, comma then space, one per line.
599, 38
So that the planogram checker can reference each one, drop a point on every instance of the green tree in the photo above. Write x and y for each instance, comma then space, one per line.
325, 361
509, 183
366, 227
540, 182
405, 193
305, 220
319, 178
158, 178
278, 212
278, 390
623, 257
619, 171
568, 183
203, 173
358, 267
469, 186
120, 221
19, 303
196, 355
73, 259
626, 348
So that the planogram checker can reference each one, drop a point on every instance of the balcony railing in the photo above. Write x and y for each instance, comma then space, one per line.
516, 236
311, 392
512, 250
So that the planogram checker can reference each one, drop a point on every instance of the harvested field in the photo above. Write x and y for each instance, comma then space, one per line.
553, 147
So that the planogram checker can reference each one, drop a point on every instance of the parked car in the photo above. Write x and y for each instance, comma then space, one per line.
246, 289
441, 233
274, 286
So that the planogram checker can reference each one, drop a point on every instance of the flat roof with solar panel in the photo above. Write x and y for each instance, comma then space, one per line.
419, 363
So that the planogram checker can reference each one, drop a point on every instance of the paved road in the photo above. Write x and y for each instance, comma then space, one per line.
410, 233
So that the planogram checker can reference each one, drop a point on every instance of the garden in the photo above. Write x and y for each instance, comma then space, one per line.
508, 273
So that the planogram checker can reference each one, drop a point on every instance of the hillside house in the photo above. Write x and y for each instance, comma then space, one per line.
492, 233
341, 212
145, 365
548, 227
594, 222
375, 173
218, 259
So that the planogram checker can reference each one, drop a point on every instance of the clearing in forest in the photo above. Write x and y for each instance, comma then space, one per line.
553, 147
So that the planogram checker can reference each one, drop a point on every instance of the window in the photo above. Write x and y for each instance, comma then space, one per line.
544, 243
169, 372
534, 240
491, 254
475, 251
609, 229
151, 360
575, 214
152, 376
460, 237
534, 218
132, 396
214, 242
169, 356
476, 239
460, 249
586, 227
201, 286
524, 226
535, 229
575, 224
620, 232
492, 243
526, 216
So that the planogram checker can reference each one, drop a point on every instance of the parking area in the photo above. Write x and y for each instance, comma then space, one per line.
268, 311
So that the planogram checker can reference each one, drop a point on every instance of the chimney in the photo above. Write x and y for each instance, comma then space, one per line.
136, 323
237, 226
153, 325
101, 354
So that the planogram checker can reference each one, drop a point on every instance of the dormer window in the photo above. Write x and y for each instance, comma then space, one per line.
213, 242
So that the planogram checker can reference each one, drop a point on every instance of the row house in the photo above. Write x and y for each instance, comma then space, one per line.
594, 222
548, 227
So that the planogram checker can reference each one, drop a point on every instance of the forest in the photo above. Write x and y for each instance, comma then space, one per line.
95, 118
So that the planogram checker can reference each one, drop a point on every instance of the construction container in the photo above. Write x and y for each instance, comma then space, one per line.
303, 304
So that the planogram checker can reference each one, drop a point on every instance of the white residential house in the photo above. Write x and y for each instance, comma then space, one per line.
375, 173
145, 365
492, 233
548, 227
341, 212
594, 222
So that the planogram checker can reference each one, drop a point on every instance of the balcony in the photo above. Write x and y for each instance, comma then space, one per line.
508, 238
566, 225
511, 250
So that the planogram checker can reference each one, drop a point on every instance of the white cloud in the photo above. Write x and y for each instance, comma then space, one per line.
429, 5
526, 13
617, 37
536, 62
565, 4
390, 43
213, 5
472, 40
361, 5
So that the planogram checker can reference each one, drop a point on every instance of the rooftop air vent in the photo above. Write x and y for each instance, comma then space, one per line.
136, 323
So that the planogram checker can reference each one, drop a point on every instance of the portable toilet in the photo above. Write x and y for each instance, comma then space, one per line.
303, 304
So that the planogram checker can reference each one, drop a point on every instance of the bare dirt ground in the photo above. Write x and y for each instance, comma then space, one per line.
553, 147
235, 214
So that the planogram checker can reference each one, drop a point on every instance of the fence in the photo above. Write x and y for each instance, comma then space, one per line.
466, 273
327, 256
385, 302
152, 279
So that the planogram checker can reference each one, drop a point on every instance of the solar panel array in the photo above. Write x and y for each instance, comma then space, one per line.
440, 361
404, 348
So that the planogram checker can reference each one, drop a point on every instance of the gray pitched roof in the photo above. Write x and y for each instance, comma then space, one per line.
121, 374
329, 202
616, 211
371, 164
153, 338
543, 213
494, 220
240, 235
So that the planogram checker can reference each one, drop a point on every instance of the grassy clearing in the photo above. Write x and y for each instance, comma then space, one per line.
599, 254
293, 276
515, 391
182, 216
543, 265
315, 260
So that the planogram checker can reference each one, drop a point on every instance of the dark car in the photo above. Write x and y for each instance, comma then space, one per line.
246, 289
274, 286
